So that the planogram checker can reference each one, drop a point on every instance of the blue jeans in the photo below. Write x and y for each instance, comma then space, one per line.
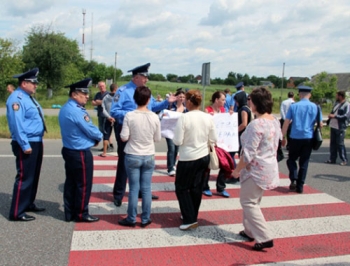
171, 154
139, 169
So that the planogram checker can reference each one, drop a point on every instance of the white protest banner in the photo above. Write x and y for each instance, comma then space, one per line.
227, 131
168, 123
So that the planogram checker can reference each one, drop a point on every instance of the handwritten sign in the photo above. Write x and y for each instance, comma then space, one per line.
227, 131
168, 123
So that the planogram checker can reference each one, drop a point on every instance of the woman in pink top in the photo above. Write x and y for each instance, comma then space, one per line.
218, 100
258, 167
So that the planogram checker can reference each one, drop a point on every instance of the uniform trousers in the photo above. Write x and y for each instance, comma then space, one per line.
26, 184
77, 187
254, 222
299, 148
337, 145
121, 175
189, 180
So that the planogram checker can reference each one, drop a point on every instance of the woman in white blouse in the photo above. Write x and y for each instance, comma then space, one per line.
194, 130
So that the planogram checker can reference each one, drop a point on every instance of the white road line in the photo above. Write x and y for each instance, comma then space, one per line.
170, 237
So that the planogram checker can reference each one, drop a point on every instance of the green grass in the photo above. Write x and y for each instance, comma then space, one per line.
54, 131
53, 128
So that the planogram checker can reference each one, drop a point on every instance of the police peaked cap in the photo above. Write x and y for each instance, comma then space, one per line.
80, 86
239, 85
141, 70
302, 88
30, 76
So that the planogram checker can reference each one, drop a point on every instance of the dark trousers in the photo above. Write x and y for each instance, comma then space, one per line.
299, 148
188, 187
220, 181
337, 145
26, 184
78, 184
121, 176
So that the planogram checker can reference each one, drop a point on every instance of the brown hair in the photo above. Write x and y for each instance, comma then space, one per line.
194, 96
216, 95
262, 99
141, 95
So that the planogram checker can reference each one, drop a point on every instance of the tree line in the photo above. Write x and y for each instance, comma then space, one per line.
61, 63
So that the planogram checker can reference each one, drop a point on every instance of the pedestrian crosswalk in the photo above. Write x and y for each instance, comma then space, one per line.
312, 228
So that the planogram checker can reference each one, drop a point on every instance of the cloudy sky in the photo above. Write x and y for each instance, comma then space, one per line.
177, 36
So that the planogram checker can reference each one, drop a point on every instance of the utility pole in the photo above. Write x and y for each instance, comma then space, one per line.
92, 45
83, 40
115, 68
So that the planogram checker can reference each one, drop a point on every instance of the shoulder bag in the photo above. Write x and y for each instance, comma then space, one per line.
317, 137
214, 160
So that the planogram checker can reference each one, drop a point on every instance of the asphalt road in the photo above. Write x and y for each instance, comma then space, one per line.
46, 241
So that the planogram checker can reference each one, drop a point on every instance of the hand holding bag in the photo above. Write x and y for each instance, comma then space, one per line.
214, 160
317, 137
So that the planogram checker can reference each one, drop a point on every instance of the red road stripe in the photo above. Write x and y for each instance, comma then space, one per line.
98, 197
286, 249
166, 220
114, 167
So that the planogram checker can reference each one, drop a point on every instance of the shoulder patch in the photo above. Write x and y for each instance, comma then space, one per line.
15, 106
116, 98
87, 118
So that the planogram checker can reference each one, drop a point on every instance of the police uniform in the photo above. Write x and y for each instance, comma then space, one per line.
303, 115
79, 134
27, 126
123, 102
239, 87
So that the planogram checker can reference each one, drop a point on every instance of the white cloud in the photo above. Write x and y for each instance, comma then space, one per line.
177, 36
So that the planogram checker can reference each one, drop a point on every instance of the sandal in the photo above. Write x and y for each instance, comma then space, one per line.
243, 234
102, 155
261, 246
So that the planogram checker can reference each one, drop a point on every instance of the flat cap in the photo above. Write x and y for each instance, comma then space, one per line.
30, 76
140, 70
80, 86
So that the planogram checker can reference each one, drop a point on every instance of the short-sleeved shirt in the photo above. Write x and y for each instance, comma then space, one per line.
303, 115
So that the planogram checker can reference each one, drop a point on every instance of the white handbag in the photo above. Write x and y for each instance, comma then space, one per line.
214, 160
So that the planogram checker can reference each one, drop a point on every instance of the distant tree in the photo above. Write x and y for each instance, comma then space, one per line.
50, 51
171, 77
156, 77
10, 64
246, 80
217, 81
230, 81
324, 86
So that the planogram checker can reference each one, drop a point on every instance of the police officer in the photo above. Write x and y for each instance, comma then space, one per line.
240, 88
27, 126
123, 102
303, 116
79, 134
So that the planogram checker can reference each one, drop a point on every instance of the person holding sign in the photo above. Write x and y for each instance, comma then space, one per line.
177, 106
218, 106
193, 157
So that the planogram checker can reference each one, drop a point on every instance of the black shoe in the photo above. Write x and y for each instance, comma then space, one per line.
292, 186
243, 234
117, 202
155, 197
143, 225
24, 218
88, 218
35, 209
299, 190
261, 246
111, 146
125, 222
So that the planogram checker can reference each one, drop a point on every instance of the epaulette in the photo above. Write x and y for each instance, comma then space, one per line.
20, 95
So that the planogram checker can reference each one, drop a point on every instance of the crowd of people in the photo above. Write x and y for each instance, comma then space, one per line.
130, 111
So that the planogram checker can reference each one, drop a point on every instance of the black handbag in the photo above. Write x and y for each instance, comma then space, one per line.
280, 154
317, 137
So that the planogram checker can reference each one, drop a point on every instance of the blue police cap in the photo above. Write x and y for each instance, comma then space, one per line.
80, 86
303, 88
30, 76
239, 85
141, 70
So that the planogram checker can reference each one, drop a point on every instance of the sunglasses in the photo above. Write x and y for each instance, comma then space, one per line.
248, 99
